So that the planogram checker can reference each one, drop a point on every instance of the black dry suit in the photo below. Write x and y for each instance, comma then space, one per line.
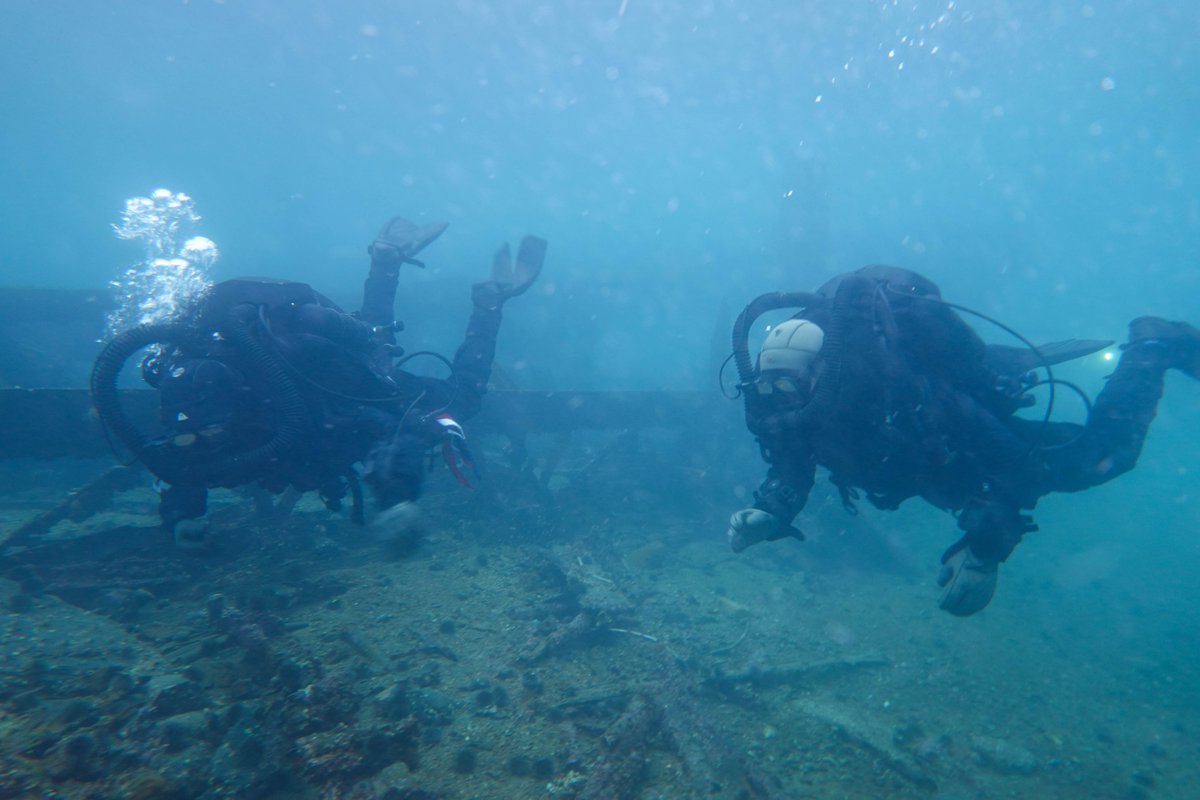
270, 382
890, 357
909, 401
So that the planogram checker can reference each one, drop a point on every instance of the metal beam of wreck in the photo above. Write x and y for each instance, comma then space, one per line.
61, 423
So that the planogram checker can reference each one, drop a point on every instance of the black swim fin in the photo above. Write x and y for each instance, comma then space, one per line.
408, 238
1005, 360
530, 256
515, 277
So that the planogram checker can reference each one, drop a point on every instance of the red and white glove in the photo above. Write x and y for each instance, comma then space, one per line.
454, 450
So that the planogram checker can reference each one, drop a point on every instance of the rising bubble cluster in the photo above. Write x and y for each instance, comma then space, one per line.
171, 276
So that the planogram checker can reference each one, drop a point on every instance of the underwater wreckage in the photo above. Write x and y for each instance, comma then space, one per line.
50, 338
572, 629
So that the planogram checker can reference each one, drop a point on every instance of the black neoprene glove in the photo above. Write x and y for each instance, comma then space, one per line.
992, 529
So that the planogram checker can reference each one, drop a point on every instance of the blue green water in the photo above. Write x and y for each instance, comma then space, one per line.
1038, 160
1041, 163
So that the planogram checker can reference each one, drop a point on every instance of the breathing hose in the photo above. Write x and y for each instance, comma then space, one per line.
107, 369
760, 305
829, 386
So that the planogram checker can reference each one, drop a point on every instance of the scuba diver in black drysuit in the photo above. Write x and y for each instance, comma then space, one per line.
878, 380
270, 383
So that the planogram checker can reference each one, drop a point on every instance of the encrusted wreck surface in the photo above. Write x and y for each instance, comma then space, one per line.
544, 641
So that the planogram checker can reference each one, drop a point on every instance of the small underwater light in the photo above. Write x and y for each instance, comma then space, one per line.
1108, 355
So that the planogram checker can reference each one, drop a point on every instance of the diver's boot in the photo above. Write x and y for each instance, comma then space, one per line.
1178, 342
398, 243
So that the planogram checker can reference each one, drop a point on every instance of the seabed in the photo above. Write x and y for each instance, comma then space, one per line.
574, 628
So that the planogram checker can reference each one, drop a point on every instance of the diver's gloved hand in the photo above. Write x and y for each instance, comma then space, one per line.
968, 582
511, 278
454, 450
992, 526
753, 525
402, 524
